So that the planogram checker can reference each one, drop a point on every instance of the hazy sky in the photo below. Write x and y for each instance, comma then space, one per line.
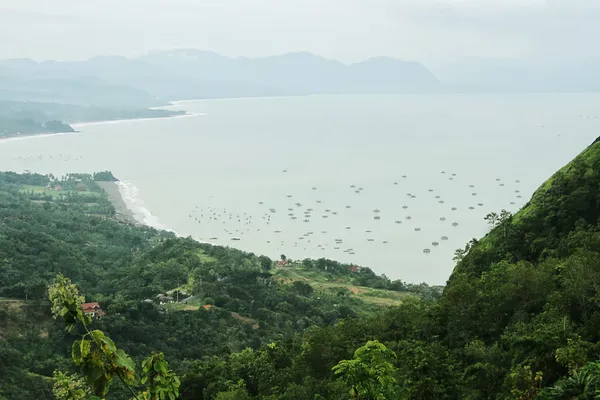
349, 30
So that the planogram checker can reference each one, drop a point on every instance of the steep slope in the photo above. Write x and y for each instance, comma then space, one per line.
567, 202
519, 318
527, 293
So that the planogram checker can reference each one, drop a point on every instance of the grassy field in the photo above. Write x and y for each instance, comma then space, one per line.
181, 307
325, 282
204, 257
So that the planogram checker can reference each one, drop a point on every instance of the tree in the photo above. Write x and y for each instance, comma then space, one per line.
370, 373
265, 262
283, 257
504, 220
99, 358
492, 219
302, 288
69, 387
525, 385
583, 384
235, 392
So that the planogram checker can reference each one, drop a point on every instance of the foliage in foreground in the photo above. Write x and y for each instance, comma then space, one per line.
99, 359
44, 231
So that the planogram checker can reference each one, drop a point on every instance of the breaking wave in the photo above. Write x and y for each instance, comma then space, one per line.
130, 195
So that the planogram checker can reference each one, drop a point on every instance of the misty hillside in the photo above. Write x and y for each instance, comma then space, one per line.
26, 80
188, 74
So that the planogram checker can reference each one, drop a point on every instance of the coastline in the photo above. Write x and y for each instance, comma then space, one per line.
145, 218
35, 135
92, 123
128, 210
114, 196
118, 121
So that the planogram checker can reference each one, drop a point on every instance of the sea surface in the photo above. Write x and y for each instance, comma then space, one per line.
395, 183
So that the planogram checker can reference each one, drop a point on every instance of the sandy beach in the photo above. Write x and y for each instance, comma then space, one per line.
39, 135
78, 125
114, 195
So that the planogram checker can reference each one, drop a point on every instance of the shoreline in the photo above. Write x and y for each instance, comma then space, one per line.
123, 212
35, 135
174, 103
126, 214
118, 121
92, 123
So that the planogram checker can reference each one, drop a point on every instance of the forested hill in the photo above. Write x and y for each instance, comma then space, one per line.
519, 318
187, 299
547, 226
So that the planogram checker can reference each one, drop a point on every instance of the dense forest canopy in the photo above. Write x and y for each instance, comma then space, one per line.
518, 319
158, 291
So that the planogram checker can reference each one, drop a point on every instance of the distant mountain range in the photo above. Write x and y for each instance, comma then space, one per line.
156, 78
191, 74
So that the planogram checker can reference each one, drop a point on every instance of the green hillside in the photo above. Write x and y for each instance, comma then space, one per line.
518, 319
218, 300
350, 284
566, 202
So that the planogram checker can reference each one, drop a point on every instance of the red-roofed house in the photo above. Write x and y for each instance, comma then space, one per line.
354, 269
92, 309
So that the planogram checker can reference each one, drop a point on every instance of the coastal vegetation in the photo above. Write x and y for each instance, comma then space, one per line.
158, 291
30, 118
29, 126
518, 319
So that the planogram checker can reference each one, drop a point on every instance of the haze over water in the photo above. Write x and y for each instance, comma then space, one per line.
178, 172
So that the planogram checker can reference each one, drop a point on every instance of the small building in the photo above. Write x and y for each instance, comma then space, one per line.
354, 268
163, 299
282, 263
207, 306
92, 309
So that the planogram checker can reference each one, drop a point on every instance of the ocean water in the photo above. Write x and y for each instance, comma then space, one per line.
395, 183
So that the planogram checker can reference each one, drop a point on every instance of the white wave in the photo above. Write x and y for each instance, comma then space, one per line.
120, 121
130, 195
29, 137
84, 124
